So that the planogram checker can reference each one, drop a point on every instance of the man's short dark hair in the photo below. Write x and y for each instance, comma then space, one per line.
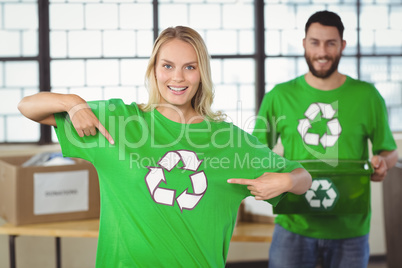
326, 18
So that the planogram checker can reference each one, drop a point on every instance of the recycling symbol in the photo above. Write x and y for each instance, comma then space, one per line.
322, 195
164, 196
333, 126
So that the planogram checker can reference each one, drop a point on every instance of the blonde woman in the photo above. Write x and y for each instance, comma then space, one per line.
173, 173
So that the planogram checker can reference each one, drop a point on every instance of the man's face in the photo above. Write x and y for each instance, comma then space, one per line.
323, 48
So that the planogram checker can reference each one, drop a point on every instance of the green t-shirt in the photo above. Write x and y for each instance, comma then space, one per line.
165, 200
315, 124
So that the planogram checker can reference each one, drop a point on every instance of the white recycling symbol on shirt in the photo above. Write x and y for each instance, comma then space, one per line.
165, 196
327, 112
322, 194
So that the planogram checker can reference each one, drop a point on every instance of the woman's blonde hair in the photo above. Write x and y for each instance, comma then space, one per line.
203, 99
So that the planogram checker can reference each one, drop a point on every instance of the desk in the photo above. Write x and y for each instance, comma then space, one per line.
243, 232
253, 232
85, 228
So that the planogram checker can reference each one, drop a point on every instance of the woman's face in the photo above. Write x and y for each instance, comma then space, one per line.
177, 73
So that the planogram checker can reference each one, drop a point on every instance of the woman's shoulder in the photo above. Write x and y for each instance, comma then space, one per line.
115, 106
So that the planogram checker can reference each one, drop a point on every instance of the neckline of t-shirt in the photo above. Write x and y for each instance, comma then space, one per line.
325, 92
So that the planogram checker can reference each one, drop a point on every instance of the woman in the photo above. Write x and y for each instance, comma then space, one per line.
165, 196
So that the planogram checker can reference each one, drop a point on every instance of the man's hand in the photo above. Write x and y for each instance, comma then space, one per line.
380, 168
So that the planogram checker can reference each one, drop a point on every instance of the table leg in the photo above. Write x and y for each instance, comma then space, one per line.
11, 245
58, 252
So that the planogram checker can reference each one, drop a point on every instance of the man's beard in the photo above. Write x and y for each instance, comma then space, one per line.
322, 73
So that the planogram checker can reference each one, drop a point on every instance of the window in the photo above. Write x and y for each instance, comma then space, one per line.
373, 32
19, 69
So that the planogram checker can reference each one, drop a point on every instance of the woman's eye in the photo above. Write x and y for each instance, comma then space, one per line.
167, 66
190, 68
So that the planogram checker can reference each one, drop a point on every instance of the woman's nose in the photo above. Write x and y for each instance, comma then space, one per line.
178, 75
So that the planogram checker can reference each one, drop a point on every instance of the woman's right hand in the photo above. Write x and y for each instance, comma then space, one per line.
85, 122
42, 106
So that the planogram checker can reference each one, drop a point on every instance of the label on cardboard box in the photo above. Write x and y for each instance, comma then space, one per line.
61, 192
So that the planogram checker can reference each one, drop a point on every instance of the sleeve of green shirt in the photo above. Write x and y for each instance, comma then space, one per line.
72, 145
265, 128
271, 162
381, 134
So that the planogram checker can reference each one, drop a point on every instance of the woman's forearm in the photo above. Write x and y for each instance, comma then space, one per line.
42, 106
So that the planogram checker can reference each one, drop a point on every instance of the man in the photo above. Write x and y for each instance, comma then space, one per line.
357, 113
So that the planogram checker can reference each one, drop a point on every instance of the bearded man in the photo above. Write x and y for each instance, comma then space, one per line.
328, 117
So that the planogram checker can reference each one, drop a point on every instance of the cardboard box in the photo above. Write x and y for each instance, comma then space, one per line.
39, 194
